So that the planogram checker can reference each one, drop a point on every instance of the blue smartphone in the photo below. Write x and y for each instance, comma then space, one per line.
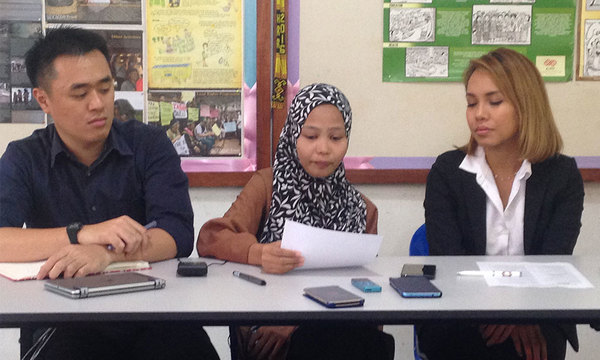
365, 285
415, 287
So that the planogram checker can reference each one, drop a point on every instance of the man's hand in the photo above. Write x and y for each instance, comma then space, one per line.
276, 260
529, 339
267, 341
123, 233
76, 261
495, 334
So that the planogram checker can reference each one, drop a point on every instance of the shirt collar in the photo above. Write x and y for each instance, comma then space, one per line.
476, 164
114, 141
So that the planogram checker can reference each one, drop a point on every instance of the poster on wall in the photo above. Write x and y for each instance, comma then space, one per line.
17, 104
94, 11
200, 123
433, 40
588, 60
194, 44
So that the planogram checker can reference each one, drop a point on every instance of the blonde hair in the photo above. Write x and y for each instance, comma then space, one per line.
521, 83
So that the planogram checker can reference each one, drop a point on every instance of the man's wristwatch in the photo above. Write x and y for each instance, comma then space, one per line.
72, 230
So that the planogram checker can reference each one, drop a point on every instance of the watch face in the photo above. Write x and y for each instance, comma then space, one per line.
74, 226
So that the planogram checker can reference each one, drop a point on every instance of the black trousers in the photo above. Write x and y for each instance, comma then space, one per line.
460, 341
339, 341
130, 341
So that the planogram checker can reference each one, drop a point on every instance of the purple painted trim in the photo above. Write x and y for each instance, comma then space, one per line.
588, 162
293, 58
420, 162
425, 162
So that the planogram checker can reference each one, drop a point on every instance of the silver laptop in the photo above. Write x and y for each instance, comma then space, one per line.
106, 284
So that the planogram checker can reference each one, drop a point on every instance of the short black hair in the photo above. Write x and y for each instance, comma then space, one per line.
64, 40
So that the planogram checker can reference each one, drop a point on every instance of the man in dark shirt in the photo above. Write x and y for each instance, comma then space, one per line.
85, 187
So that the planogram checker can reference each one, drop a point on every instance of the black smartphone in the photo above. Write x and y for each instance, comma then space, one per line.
427, 271
333, 296
415, 287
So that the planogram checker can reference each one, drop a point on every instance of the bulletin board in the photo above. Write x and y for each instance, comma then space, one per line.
404, 126
229, 86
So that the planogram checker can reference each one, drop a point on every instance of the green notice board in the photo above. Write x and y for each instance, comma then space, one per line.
433, 40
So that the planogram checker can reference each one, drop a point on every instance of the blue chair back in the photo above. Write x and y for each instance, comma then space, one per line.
418, 243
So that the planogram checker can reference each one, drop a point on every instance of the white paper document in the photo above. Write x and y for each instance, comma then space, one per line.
324, 248
541, 275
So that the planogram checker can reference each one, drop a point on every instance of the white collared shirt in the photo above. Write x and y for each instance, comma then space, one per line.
504, 227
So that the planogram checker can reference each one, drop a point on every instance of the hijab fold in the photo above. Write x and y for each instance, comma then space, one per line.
328, 203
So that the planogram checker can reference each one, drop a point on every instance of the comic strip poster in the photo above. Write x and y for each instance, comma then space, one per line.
17, 104
94, 11
433, 40
194, 44
200, 123
588, 62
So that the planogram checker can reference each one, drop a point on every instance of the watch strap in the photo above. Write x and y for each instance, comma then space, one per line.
72, 230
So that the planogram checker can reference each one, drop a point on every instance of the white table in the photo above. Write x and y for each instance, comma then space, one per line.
222, 299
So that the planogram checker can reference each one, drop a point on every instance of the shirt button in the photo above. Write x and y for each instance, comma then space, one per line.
93, 208
89, 173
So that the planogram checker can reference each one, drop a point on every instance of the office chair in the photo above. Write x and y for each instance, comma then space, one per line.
418, 247
418, 243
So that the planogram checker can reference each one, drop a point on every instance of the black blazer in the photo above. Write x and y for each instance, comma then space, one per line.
455, 210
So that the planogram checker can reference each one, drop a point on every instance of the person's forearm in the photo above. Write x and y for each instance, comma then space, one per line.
21, 245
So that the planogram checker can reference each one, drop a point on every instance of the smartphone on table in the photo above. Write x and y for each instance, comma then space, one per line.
424, 270
415, 287
365, 285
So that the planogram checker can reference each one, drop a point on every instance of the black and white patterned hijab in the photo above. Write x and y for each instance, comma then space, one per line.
328, 203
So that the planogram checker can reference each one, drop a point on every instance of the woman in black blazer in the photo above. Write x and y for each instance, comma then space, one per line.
509, 191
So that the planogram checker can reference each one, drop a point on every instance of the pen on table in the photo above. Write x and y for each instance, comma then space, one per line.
151, 225
250, 278
492, 273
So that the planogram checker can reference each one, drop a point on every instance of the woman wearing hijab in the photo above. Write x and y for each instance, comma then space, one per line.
307, 184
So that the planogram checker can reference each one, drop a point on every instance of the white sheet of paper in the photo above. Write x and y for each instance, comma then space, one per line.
324, 248
541, 275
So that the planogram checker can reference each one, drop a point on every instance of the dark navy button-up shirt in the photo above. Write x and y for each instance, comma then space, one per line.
42, 185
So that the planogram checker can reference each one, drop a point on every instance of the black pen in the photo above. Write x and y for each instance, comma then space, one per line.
250, 278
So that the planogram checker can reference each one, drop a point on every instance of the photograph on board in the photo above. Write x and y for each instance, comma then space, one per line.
592, 5
501, 25
204, 123
591, 55
94, 11
126, 58
412, 24
427, 61
17, 104
129, 106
